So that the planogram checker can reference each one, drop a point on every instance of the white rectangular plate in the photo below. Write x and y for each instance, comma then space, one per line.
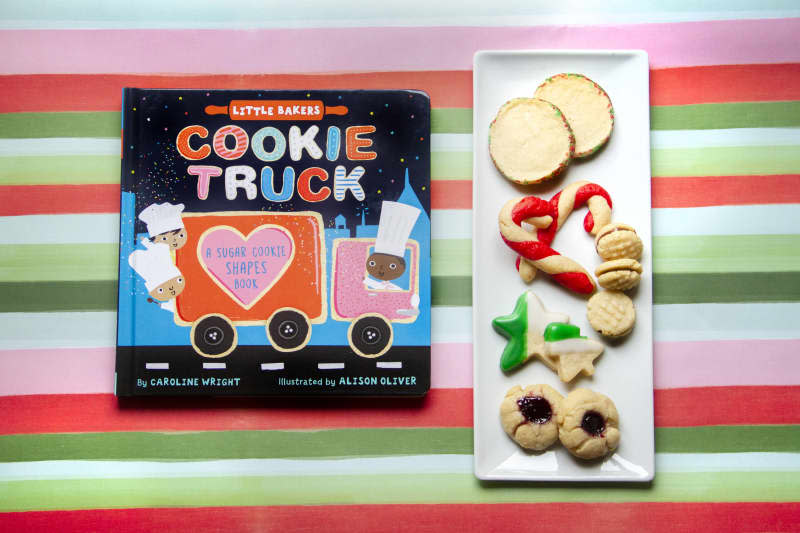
625, 370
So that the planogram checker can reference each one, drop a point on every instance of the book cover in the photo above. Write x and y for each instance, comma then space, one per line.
274, 243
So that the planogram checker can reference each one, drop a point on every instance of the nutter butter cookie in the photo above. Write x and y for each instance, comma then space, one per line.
530, 140
585, 104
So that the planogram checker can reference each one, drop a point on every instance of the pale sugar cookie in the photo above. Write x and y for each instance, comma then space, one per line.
530, 140
585, 104
618, 241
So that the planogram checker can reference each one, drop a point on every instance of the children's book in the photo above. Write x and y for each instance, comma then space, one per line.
274, 243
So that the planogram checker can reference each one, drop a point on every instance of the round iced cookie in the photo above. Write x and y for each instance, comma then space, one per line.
587, 107
618, 241
530, 141
588, 425
530, 415
611, 313
619, 274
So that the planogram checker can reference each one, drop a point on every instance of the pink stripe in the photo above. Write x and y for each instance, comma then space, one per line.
726, 363
91, 370
380, 49
677, 365
57, 371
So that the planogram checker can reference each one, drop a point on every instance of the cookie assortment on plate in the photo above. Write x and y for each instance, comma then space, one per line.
532, 140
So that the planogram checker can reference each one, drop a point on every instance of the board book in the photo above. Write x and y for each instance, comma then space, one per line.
274, 243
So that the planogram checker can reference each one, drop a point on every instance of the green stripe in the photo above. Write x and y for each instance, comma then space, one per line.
60, 124
59, 170
451, 120
30, 297
443, 119
449, 257
723, 116
669, 162
677, 288
728, 439
382, 489
725, 161
236, 444
451, 290
726, 253
739, 287
341, 443
58, 262
699, 254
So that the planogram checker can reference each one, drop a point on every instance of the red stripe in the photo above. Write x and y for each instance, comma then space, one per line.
667, 517
673, 86
102, 92
711, 406
726, 190
725, 83
58, 199
66, 413
445, 194
451, 194
59, 413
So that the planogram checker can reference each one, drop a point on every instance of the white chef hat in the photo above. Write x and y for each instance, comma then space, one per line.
154, 264
162, 217
397, 221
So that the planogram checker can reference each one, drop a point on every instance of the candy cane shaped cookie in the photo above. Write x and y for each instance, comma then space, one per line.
564, 270
563, 203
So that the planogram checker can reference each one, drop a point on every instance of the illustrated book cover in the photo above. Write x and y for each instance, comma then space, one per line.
274, 243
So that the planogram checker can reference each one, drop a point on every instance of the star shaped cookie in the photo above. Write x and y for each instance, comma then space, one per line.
533, 331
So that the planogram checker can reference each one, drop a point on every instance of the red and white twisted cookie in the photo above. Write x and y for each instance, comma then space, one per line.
548, 217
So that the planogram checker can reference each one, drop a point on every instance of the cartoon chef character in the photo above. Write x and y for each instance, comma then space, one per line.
164, 224
386, 262
162, 278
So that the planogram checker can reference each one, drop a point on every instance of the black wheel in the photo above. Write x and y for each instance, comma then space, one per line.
288, 330
370, 336
213, 336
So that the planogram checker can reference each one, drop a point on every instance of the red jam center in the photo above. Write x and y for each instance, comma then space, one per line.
535, 409
593, 423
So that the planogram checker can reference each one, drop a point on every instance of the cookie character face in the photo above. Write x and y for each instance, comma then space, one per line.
169, 289
385, 267
174, 239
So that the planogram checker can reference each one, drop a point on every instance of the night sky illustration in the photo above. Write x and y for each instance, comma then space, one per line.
153, 169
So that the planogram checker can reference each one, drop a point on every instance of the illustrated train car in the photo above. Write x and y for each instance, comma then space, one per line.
270, 269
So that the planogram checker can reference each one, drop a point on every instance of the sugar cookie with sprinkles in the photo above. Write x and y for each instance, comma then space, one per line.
585, 104
530, 141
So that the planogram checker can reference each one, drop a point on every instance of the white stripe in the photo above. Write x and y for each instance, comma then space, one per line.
677, 322
451, 224
699, 322
351, 13
330, 366
451, 142
60, 229
271, 366
389, 364
156, 366
60, 146
433, 464
773, 219
727, 137
214, 366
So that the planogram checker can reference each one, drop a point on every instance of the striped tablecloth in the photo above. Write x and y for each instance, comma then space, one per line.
725, 95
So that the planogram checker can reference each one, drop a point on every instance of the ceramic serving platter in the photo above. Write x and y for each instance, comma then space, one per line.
624, 372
